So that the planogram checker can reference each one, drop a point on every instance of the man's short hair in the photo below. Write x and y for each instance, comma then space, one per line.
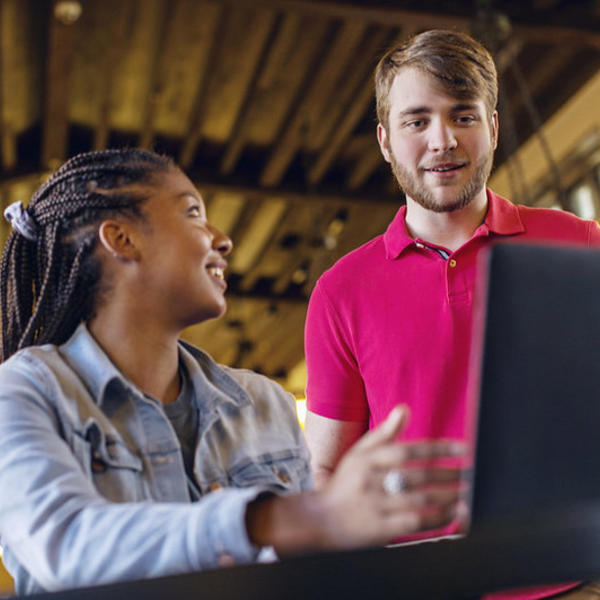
463, 67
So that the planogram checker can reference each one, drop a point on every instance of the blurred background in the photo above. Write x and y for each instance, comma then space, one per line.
268, 106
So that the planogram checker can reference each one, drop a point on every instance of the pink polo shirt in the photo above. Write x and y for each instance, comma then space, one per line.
390, 323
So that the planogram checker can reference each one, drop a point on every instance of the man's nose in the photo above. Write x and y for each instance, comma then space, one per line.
441, 137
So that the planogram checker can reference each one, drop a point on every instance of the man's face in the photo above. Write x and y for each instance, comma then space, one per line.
440, 148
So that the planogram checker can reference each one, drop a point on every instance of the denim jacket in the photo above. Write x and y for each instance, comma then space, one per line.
92, 483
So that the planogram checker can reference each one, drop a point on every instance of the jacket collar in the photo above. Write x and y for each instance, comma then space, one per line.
99, 373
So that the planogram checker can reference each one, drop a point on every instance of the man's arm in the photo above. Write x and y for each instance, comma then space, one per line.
328, 440
337, 409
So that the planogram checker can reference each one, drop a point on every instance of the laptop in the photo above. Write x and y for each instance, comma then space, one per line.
537, 386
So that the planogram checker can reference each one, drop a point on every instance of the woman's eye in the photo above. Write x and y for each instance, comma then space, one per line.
194, 211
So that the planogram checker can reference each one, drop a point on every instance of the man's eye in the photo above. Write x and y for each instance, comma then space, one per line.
417, 124
193, 211
466, 119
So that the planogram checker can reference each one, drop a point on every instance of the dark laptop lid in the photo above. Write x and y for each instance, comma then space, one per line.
538, 428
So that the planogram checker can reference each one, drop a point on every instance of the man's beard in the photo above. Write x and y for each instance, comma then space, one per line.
416, 189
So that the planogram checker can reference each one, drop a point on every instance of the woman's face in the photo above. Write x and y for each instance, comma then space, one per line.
181, 256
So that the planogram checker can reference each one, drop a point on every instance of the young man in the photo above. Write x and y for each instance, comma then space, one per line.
391, 321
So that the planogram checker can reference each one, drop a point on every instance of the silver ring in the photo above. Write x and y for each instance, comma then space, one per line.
394, 482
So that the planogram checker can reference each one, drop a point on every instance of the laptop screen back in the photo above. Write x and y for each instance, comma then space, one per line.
538, 431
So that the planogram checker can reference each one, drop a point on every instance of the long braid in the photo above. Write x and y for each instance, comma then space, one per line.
48, 286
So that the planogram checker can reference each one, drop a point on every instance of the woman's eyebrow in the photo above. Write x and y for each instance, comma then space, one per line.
184, 195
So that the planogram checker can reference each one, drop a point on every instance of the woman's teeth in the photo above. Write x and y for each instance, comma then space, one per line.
216, 272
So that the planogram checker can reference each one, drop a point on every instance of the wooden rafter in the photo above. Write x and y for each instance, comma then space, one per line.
363, 169
320, 215
121, 15
240, 127
321, 85
420, 20
256, 270
207, 76
360, 82
62, 37
163, 57
8, 14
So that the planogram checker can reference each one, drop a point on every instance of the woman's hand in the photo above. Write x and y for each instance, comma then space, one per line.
381, 489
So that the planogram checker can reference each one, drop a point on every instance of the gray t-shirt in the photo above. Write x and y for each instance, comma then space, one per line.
184, 419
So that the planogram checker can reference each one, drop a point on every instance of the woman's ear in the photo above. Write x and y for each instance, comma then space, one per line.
118, 239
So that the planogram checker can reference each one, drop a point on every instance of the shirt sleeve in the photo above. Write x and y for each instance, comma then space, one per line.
594, 234
335, 388
56, 525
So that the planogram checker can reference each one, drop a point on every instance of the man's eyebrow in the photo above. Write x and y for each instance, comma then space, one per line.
414, 110
463, 106
425, 110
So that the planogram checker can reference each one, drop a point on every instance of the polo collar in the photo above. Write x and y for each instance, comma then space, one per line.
502, 218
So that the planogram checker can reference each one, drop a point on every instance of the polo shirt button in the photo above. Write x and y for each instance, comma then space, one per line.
452, 263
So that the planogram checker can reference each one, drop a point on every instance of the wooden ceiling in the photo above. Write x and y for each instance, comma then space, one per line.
268, 106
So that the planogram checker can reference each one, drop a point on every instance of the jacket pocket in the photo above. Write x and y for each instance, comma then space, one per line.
282, 471
115, 471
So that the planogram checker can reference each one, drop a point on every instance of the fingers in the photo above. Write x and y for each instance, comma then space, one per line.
414, 478
435, 449
442, 497
388, 431
394, 455
396, 523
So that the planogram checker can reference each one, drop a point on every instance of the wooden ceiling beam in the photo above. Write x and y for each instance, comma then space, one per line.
62, 38
8, 142
258, 193
252, 193
545, 70
361, 84
284, 151
162, 60
507, 54
372, 14
121, 15
268, 297
542, 34
209, 73
368, 163
420, 20
255, 272
321, 217
320, 88
237, 137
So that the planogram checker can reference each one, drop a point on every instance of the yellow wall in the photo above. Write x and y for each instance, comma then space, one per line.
6, 584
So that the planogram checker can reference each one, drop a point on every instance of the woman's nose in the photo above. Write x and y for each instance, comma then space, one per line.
221, 242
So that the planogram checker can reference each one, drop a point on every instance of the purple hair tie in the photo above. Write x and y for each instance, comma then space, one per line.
21, 220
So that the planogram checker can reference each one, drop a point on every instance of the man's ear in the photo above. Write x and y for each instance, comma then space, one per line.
382, 138
495, 129
118, 239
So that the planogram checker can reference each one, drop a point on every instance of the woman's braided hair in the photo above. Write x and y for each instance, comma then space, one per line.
50, 285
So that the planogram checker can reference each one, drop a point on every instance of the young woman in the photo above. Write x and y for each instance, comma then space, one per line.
127, 453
